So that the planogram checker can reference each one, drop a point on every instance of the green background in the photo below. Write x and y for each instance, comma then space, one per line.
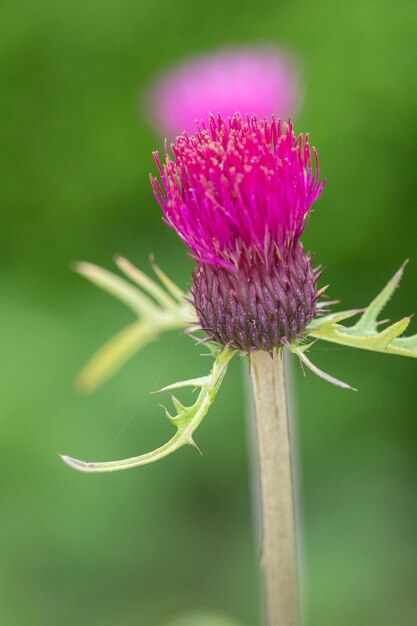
146, 546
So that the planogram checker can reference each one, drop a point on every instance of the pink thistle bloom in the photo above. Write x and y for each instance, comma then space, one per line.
250, 80
238, 186
239, 193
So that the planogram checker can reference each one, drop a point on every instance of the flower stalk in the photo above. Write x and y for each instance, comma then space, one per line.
276, 485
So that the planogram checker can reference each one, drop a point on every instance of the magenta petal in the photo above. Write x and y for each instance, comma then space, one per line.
244, 186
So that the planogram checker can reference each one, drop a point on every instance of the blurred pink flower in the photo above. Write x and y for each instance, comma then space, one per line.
260, 80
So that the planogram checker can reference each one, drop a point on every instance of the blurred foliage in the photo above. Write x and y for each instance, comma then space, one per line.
176, 537
204, 620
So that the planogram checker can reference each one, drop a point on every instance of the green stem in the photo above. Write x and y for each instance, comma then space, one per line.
277, 499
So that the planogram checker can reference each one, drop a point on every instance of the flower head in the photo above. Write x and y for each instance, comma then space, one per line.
260, 80
239, 194
238, 187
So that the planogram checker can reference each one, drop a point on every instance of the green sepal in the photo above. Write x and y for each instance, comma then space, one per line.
186, 420
157, 308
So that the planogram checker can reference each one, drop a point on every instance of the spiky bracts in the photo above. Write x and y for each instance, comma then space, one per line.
257, 307
239, 193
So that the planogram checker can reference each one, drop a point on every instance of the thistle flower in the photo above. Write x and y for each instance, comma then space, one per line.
239, 193
259, 80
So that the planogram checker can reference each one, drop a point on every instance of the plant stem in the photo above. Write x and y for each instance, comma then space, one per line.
277, 500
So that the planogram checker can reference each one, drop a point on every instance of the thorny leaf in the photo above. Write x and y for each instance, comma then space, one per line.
161, 309
186, 419
300, 352
158, 309
366, 333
